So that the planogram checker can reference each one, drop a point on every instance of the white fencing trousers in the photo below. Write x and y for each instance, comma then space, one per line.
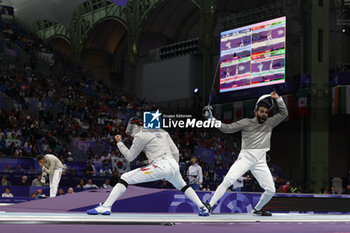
54, 181
166, 168
163, 168
255, 161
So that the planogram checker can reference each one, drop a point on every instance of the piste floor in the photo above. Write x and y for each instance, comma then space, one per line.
18, 222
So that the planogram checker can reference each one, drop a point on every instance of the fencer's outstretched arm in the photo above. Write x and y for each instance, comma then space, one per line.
232, 128
281, 115
173, 149
137, 146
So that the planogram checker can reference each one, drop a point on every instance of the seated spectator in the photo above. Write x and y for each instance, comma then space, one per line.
19, 168
18, 153
164, 184
106, 184
37, 181
7, 193
347, 190
8, 169
332, 190
31, 170
45, 146
280, 189
211, 174
25, 152
90, 185
81, 184
206, 188
113, 160
105, 156
286, 188
60, 192
24, 181
5, 182
70, 190
72, 172
96, 161
90, 169
39, 194
33, 195
105, 169
70, 157
278, 180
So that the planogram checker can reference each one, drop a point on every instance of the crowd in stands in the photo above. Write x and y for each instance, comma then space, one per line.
16, 37
72, 105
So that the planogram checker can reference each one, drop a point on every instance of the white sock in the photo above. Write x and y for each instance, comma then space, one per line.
117, 192
264, 199
192, 195
220, 191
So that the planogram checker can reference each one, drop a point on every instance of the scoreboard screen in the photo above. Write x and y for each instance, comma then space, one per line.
253, 55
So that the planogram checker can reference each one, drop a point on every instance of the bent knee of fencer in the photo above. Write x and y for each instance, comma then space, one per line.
270, 191
126, 178
178, 186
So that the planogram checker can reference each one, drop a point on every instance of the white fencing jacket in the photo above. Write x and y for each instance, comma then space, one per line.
156, 143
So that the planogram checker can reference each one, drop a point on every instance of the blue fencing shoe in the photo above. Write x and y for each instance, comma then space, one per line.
100, 209
203, 211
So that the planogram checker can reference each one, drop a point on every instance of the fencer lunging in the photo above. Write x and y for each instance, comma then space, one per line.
163, 157
256, 135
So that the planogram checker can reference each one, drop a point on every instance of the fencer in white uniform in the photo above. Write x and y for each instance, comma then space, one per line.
51, 165
163, 158
256, 136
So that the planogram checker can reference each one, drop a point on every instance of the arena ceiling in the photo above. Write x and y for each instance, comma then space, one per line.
242, 5
169, 22
113, 32
30, 11
164, 19
173, 19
